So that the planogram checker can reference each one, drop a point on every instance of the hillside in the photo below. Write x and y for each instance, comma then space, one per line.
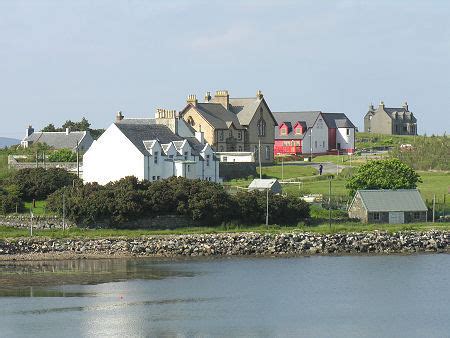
6, 142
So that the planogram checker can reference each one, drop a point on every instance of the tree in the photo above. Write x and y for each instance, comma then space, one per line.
62, 155
383, 174
50, 127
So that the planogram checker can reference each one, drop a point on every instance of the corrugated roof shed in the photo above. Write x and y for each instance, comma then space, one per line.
265, 183
392, 200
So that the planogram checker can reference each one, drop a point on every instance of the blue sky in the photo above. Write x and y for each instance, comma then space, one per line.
62, 60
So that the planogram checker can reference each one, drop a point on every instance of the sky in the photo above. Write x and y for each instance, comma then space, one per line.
62, 60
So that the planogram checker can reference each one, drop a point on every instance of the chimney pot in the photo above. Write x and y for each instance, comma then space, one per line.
67, 131
119, 116
192, 99
259, 94
208, 97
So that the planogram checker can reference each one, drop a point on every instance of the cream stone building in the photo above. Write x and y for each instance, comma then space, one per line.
233, 124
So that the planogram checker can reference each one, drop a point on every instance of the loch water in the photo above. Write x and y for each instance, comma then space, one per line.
319, 296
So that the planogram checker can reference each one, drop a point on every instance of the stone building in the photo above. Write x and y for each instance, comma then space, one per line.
390, 121
388, 206
233, 124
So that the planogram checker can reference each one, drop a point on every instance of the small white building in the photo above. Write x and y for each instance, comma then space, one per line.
149, 149
263, 184
236, 156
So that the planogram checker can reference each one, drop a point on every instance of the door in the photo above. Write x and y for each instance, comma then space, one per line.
396, 217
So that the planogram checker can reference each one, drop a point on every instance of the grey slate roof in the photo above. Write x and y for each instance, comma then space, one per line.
244, 108
307, 117
265, 183
337, 120
57, 140
392, 200
218, 116
139, 131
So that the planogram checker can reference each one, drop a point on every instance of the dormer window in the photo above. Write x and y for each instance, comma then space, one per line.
283, 131
185, 155
298, 130
155, 159
239, 135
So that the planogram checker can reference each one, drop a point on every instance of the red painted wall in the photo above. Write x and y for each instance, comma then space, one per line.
279, 148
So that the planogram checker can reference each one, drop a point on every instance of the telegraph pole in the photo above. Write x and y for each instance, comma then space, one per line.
310, 143
434, 205
78, 160
329, 202
64, 211
267, 207
282, 168
259, 158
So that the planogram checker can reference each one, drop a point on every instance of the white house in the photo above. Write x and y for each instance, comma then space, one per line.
149, 149
313, 132
58, 139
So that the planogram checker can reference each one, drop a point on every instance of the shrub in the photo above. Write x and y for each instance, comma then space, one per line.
10, 202
39, 183
62, 155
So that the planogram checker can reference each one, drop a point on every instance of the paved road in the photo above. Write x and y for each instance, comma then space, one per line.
328, 167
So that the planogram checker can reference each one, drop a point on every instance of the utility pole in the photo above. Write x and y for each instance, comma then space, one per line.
282, 168
267, 207
78, 160
337, 165
434, 204
37, 163
64, 211
259, 158
329, 202
310, 143
31, 221
443, 211
43, 158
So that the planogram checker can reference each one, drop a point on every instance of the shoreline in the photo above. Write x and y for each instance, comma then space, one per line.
227, 245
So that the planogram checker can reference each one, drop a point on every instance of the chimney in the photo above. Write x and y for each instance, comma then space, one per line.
222, 97
208, 97
192, 99
371, 107
381, 104
119, 116
405, 106
29, 131
259, 95
167, 117
200, 136
67, 130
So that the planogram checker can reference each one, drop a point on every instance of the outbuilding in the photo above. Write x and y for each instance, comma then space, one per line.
388, 206
265, 183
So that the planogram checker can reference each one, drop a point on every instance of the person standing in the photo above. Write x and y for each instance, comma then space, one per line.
320, 169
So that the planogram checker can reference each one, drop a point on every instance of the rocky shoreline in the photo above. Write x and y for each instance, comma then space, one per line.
228, 244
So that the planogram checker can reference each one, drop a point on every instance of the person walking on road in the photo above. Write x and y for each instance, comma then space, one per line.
320, 169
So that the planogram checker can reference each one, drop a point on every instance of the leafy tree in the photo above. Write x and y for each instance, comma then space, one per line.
38, 183
62, 155
383, 174
50, 127
10, 200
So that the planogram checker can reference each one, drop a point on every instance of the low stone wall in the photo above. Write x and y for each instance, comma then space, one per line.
233, 170
238, 244
39, 222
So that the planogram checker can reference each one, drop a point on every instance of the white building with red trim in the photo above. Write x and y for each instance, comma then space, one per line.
313, 132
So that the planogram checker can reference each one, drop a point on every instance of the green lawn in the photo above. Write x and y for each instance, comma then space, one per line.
7, 232
288, 171
4, 171
435, 183
38, 210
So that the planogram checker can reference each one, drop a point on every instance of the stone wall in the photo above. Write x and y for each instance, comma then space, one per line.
230, 244
39, 222
232, 170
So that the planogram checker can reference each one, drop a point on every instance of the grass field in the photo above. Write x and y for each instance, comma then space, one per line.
4, 171
38, 210
8, 232
367, 140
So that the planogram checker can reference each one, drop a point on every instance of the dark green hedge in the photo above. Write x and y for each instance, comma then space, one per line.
203, 201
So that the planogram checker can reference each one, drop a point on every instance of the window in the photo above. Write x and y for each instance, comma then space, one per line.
261, 127
315, 144
207, 160
348, 131
171, 156
220, 135
405, 128
188, 167
185, 155
376, 216
190, 121
155, 159
158, 177
225, 159
283, 131
239, 135
221, 148
267, 153
154, 178
231, 133
240, 148
323, 144
256, 152
416, 215
298, 131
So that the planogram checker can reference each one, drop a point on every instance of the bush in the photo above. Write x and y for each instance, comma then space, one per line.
10, 202
206, 202
62, 155
39, 183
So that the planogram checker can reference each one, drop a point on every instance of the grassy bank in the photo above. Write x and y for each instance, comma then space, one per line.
6, 232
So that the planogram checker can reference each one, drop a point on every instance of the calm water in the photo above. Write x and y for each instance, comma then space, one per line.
369, 296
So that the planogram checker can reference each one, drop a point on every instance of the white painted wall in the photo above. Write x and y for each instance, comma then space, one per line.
112, 157
244, 156
346, 141
319, 138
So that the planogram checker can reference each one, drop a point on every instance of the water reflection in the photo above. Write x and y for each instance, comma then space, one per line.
36, 279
